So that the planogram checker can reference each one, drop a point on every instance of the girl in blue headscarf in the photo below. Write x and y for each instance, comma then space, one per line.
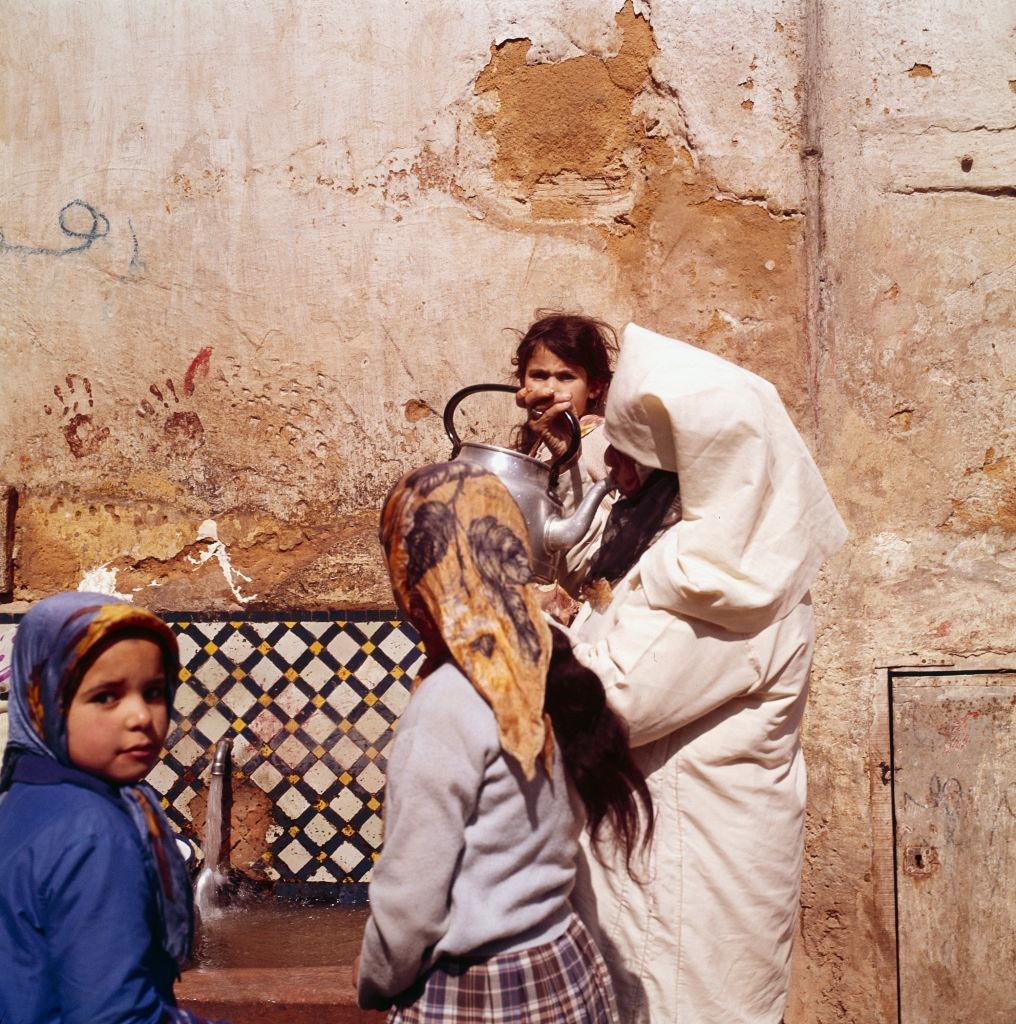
96, 914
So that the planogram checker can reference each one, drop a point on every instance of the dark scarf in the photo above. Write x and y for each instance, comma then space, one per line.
632, 525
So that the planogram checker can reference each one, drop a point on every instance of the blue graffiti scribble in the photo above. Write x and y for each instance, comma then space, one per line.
98, 229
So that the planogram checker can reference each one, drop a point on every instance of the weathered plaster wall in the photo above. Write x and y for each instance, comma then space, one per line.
916, 358
311, 224
291, 230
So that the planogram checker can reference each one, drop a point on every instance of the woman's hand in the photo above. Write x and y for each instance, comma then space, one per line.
544, 407
556, 602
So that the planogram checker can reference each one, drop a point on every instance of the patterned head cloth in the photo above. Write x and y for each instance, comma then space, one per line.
458, 558
55, 643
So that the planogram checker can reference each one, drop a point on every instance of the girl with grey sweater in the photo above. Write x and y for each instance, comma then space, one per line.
506, 750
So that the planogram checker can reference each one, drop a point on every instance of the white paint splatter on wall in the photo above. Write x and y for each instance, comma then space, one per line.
208, 532
102, 580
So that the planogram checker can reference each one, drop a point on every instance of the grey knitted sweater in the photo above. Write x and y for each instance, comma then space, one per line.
476, 860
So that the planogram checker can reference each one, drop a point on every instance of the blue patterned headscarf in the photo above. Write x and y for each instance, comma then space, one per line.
54, 644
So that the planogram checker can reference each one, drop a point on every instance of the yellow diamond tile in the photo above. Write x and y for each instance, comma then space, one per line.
238, 724
264, 699
420, 646
348, 830
340, 623
397, 673
345, 778
317, 700
266, 751
184, 675
318, 751
371, 752
348, 878
211, 700
343, 673
264, 647
290, 673
344, 725
321, 855
185, 726
292, 779
291, 725
373, 803
367, 647
289, 625
374, 855
210, 648
164, 802
394, 622
238, 673
236, 625
266, 857
315, 648
370, 700
293, 830
184, 625
320, 805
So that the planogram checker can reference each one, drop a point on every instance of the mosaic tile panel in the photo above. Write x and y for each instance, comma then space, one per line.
311, 704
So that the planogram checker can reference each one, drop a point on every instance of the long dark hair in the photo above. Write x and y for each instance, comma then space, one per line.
582, 341
595, 751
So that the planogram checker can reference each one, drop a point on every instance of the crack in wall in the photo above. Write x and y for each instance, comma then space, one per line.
759, 199
962, 131
989, 191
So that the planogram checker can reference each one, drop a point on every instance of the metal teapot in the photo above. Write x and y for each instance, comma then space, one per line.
531, 483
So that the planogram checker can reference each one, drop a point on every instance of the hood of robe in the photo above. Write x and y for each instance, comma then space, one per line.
757, 519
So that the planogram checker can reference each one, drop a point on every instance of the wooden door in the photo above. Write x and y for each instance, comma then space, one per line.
954, 794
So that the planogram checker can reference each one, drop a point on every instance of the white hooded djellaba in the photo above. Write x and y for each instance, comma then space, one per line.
704, 650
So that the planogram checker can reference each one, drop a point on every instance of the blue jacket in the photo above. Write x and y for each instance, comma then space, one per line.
78, 913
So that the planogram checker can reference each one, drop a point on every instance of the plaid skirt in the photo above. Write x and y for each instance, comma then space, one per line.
560, 982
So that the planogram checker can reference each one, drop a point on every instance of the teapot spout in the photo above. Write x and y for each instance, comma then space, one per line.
565, 532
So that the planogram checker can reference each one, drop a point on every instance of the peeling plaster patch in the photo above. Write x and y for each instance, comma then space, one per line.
603, 142
902, 419
560, 125
990, 508
894, 554
691, 251
920, 71
416, 409
101, 580
208, 532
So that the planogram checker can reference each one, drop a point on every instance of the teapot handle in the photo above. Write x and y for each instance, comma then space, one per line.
453, 404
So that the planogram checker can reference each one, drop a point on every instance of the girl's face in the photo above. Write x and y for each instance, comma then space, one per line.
546, 370
119, 717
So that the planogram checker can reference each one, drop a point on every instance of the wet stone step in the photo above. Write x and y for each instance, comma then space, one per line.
273, 995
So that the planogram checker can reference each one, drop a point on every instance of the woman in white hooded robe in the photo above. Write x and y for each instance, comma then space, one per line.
704, 649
